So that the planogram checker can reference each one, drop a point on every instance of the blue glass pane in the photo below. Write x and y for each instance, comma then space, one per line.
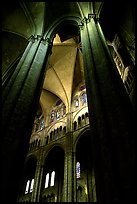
77, 170
84, 98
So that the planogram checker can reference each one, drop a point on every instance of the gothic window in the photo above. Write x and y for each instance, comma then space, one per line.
84, 98
42, 124
52, 178
77, 170
47, 180
76, 103
29, 186
58, 115
52, 116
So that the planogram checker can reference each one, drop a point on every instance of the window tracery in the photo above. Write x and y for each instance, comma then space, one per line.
50, 179
58, 115
57, 112
29, 186
84, 98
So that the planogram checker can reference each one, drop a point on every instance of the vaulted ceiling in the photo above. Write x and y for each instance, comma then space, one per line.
65, 71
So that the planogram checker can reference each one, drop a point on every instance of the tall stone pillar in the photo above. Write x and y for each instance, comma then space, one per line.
6, 87
19, 105
65, 188
111, 113
37, 181
74, 177
69, 155
69, 176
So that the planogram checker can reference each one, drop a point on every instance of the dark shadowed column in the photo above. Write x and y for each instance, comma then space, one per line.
19, 107
111, 118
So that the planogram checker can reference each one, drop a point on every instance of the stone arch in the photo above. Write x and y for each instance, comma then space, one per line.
54, 28
86, 180
79, 135
59, 23
54, 161
28, 174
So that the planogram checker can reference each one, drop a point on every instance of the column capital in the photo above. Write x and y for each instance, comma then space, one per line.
92, 16
47, 41
88, 19
31, 38
35, 38
81, 26
84, 20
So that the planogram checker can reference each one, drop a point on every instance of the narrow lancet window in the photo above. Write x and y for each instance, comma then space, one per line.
47, 180
77, 170
27, 187
52, 178
31, 186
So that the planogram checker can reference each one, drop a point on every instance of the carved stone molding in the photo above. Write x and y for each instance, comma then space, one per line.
87, 20
47, 41
35, 38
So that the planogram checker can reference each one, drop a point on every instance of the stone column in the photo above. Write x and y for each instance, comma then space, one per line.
6, 88
36, 183
74, 176
69, 176
111, 113
18, 111
65, 189
40, 184
69, 152
12, 90
37, 180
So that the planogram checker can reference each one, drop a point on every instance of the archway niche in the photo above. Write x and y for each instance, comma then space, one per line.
28, 177
53, 176
85, 180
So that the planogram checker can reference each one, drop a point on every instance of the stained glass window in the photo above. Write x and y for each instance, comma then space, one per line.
84, 98
77, 170
76, 103
58, 115
42, 124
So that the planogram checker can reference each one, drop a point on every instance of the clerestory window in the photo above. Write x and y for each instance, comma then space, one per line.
29, 186
50, 179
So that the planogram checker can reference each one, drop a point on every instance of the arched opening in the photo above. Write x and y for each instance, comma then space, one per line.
85, 180
53, 175
28, 178
109, 108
